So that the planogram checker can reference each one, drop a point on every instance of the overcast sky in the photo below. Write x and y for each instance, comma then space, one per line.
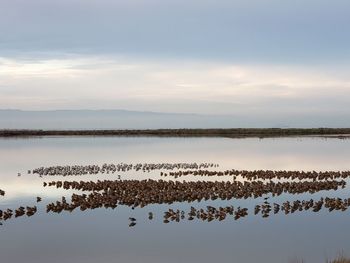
215, 57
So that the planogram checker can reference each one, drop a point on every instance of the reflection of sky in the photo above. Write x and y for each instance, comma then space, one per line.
103, 235
20, 155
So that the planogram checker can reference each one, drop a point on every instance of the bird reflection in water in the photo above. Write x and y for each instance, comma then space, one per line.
141, 193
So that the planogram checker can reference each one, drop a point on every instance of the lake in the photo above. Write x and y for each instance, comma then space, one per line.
103, 235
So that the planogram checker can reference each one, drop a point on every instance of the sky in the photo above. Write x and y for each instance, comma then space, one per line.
241, 57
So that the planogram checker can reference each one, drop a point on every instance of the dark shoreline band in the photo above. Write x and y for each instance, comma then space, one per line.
230, 133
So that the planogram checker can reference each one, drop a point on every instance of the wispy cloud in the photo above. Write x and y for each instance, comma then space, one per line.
163, 85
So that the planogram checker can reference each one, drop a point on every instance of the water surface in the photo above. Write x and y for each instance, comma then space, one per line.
103, 235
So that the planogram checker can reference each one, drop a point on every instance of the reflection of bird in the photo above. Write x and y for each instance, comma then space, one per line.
31, 210
140, 193
20, 211
133, 221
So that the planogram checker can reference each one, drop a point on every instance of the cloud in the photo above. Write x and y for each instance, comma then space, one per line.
97, 82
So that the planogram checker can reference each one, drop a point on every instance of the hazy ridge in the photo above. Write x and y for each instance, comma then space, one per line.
107, 119
124, 119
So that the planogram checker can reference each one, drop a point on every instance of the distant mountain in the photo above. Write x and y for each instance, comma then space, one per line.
107, 119
124, 119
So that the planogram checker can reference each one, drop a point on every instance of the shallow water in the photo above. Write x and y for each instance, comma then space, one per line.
103, 235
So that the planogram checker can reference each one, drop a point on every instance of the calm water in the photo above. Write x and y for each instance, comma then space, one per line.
103, 235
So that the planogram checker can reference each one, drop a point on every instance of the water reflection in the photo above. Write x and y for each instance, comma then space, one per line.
210, 213
110, 199
141, 193
103, 235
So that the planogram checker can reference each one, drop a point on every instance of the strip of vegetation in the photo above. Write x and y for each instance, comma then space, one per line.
234, 133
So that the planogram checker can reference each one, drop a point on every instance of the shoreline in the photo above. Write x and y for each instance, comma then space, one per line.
340, 133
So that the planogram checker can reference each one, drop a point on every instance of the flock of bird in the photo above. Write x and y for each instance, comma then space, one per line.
187, 169
289, 207
221, 213
140, 193
21, 211
134, 193
209, 214
304, 205
69, 170
263, 174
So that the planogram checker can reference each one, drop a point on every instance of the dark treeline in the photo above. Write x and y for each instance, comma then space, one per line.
236, 132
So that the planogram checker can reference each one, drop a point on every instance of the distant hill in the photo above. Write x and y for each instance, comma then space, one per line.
124, 119
108, 119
